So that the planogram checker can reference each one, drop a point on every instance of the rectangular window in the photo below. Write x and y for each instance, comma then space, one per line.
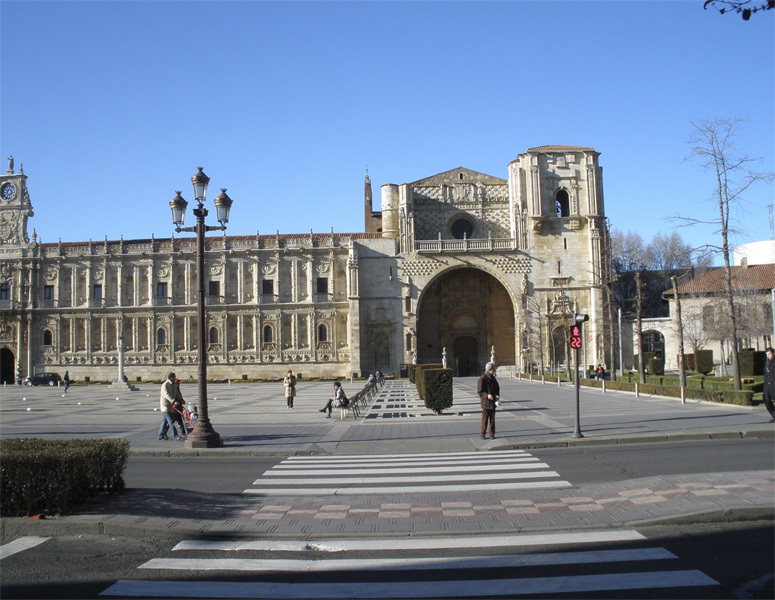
267, 287
5, 291
98, 291
161, 289
322, 285
48, 292
214, 288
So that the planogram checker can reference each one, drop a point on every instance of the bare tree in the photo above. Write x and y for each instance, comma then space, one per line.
639, 304
712, 144
744, 8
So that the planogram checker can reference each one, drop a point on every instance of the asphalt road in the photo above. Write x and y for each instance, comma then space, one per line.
734, 560
579, 465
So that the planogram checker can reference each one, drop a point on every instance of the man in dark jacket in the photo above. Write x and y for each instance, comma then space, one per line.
489, 393
769, 384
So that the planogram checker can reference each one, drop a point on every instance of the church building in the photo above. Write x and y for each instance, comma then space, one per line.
459, 266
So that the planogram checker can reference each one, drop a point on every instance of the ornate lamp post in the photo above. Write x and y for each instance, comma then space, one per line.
203, 436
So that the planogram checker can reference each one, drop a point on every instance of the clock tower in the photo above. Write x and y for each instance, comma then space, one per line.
15, 208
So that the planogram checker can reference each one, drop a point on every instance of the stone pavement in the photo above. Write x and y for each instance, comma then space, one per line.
253, 421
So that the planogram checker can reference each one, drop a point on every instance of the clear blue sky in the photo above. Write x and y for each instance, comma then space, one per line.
111, 106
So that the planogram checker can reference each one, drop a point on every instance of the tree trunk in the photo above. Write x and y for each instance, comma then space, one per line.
681, 369
641, 366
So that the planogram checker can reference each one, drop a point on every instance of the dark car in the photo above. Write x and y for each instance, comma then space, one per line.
43, 379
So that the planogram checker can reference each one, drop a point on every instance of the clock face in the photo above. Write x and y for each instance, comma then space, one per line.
9, 191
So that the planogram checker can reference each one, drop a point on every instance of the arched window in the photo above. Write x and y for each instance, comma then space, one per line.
48, 337
563, 203
268, 334
653, 341
408, 342
322, 333
559, 344
161, 336
213, 335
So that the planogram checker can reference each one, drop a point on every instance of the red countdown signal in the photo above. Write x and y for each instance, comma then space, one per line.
575, 337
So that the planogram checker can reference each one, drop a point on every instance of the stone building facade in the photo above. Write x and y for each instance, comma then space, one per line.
459, 266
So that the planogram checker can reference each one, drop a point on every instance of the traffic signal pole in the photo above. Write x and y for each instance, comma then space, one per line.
575, 342
577, 430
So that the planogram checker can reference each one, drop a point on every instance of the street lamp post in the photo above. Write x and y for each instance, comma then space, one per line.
203, 435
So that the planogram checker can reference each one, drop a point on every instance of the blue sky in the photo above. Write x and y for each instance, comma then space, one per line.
111, 106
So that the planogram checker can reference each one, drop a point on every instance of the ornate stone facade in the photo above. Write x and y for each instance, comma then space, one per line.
459, 262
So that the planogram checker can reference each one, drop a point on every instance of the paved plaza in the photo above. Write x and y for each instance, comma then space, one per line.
392, 432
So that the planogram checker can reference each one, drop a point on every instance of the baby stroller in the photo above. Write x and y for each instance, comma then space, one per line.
185, 416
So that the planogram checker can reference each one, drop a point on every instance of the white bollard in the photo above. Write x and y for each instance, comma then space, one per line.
543, 379
683, 395
558, 381
604, 386
637, 390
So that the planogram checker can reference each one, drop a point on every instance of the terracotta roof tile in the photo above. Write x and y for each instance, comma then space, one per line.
754, 277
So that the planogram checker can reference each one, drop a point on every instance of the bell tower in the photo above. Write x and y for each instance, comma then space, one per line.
15, 208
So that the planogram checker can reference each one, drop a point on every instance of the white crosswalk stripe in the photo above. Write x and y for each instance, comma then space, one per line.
407, 474
349, 574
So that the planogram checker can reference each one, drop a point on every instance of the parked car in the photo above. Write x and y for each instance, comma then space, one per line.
51, 379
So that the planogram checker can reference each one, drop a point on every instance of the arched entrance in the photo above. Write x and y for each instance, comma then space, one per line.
467, 312
7, 366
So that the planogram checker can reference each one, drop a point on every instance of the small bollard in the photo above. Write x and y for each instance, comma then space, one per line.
531, 376
637, 390
558, 381
683, 395
543, 378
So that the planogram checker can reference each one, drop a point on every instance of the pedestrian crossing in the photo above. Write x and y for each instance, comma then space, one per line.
414, 567
407, 474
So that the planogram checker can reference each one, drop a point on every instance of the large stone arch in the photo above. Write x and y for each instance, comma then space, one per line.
466, 312
7, 366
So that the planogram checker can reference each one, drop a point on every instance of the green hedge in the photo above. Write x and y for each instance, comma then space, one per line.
657, 366
729, 396
419, 381
53, 476
438, 389
751, 362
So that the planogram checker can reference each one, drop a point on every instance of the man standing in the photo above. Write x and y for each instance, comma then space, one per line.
769, 384
290, 388
489, 393
169, 394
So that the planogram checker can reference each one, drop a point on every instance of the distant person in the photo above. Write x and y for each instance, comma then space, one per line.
169, 393
600, 373
67, 381
338, 399
290, 388
769, 384
489, 391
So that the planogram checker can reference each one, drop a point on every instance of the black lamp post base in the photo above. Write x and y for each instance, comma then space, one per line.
203, 436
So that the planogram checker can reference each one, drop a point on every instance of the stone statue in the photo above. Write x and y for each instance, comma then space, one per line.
10, 165
444, 357
492, 354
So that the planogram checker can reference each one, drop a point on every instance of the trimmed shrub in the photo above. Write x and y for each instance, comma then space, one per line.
657, 366
653, 379
53, 476
419, 380
703, 360
751, 362
437, 384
